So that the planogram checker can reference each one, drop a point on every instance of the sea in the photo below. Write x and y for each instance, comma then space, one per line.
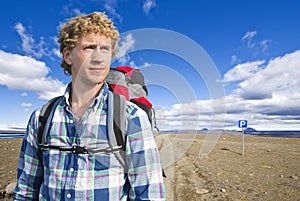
4, 134
290, 134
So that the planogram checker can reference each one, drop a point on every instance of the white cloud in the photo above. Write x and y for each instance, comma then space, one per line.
76, 12
56, 52
24, 94
59, 27
249, 35
112, 12
70, 11
148, 5
26, 104
243, 71
132, 64
257, 46
195, 115
28, 43
33, 48
264, 44
126, 45
280, 77
112, 3
146, 64
27, 74
235, 59
267, 96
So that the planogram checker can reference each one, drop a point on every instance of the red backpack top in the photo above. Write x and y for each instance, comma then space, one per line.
129, 82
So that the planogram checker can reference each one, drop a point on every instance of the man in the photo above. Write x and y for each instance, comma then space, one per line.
88, 44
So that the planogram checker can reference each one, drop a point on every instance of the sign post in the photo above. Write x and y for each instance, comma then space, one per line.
243, 125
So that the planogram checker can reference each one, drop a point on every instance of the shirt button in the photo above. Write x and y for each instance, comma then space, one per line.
69, 195
71, 121
71, 169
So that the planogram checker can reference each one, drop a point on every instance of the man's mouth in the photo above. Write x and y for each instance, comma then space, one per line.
97, 69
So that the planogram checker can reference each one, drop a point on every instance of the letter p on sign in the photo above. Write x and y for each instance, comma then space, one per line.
242, 123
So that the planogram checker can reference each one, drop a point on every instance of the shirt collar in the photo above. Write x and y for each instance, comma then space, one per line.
102, 96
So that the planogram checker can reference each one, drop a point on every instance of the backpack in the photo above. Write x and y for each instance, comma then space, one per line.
125, 83
130, 83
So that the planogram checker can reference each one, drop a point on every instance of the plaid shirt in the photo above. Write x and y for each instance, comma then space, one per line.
57, 175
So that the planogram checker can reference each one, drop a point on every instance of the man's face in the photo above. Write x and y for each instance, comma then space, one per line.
90, 59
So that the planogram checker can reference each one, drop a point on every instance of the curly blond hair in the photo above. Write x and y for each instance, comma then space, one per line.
77, 27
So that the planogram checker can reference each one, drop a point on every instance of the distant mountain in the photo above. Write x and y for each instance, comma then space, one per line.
249, 130
170, 131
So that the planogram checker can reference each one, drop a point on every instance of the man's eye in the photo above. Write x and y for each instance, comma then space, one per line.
105, 48
90, 47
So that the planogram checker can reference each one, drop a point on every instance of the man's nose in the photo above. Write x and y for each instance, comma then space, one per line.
97, 56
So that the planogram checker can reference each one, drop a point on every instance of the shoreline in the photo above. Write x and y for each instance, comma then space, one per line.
264, 133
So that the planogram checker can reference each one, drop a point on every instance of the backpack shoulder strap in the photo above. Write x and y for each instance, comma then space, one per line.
44, 116
116, 124
119, 118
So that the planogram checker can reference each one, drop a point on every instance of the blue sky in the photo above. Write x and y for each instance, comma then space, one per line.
207, 63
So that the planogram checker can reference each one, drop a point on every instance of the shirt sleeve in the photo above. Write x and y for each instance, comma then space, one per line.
30, 171
143, 160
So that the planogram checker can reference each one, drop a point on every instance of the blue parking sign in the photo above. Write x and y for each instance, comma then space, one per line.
243, 123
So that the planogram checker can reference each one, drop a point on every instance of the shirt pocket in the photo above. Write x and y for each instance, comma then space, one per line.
106, 161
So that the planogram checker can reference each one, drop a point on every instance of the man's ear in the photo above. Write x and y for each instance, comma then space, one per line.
66, 56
